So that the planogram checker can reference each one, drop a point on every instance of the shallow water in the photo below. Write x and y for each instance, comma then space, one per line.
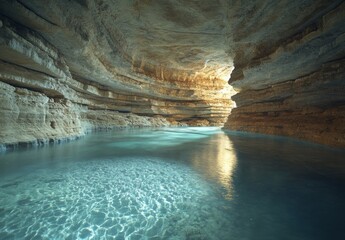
173, 183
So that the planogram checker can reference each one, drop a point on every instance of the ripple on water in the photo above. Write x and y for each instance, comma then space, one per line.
113, 198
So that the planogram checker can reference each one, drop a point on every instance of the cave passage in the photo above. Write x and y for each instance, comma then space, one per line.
71, 67
167, 100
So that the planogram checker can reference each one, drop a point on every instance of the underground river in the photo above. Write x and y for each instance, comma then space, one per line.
173, 183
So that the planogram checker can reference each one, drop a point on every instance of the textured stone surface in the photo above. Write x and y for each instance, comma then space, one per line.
32, 118
290, 71
158, 57
310, 107
70, 66
100, 61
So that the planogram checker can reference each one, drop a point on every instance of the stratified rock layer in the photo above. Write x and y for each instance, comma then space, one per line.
31, 118
292, 81
69, 66
310, 107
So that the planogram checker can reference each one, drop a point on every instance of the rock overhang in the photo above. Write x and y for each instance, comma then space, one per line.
174, 58
165, 50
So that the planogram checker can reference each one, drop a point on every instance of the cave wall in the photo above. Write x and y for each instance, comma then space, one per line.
293, 84
41, 102
70, 66
67, 67
310, 107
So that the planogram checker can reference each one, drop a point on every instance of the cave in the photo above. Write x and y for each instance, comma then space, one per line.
172, 119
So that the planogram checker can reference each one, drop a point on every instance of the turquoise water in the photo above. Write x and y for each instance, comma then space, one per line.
173, 183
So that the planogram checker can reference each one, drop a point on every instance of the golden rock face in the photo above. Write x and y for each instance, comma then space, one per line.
173, 54
173, 60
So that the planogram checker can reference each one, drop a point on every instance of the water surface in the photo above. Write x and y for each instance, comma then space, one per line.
173, 183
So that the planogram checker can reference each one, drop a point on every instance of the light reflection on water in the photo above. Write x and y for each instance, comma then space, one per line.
221, 164
173, 183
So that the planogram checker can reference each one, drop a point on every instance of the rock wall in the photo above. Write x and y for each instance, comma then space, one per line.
292, 83
41, 102
30, 118
71, 65
311, 107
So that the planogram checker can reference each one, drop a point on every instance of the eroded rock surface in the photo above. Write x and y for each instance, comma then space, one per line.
290, 71
67, 66
70, 66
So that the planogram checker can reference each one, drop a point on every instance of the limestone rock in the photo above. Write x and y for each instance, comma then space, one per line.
69, 66
292, 81
31, 118
310, 107
166, 53
73, 66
